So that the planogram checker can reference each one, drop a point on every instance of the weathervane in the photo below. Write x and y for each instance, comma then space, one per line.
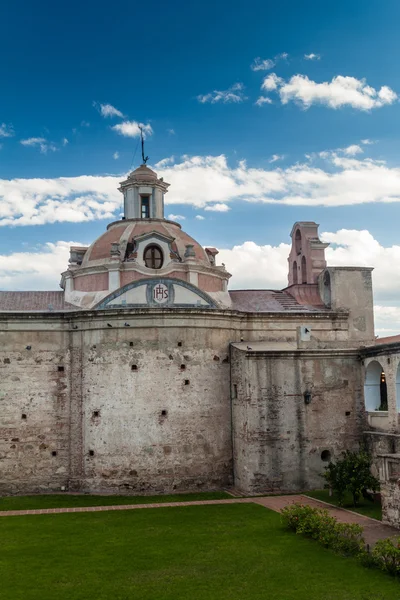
144, 158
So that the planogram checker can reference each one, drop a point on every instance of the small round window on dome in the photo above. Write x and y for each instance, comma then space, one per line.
153, 257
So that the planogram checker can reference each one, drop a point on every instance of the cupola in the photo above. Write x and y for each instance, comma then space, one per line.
143, 194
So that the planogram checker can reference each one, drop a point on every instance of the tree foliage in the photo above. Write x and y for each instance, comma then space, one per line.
352, 473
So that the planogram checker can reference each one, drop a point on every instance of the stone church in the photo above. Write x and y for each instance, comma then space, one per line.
145, 373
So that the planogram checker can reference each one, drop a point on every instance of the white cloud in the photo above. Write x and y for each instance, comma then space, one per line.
200, 217
367, 142
40, 143
339, 180
172, 217
261, 100
108, 111
6, 130
271, 82
116, 155
132, 129
276, 157
39, 269
259, 64
353, 150
341, 91
165, 162
65, 142
234, 94
85, 124
171, 131
219, 207
312, 56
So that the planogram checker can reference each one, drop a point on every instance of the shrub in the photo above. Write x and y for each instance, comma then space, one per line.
317, 524
353, 474
386, 555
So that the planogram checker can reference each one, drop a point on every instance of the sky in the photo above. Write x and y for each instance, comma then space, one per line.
258, 115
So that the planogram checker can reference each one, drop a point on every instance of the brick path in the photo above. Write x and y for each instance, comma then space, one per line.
373, 530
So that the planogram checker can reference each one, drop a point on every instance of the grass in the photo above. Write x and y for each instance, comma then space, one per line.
217, 552
365, 507
71, 501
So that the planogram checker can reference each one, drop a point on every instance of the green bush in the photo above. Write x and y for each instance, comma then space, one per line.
353, 474
386, 555
317, 524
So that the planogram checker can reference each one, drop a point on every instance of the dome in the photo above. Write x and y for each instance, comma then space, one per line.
123, 232
143, 173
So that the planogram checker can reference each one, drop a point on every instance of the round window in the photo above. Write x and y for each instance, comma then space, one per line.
153, 257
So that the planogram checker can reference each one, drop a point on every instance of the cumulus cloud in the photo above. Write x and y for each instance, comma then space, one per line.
41, 143
165, 162
200, 217
271, 82
341, 91
261, 100
367, 142
39, 269
219, 207
108, 111
172, 217
353, 150
234, 94
65, 142
116, 155
6, 130
171, 131
339, 180
312, 56
132, 129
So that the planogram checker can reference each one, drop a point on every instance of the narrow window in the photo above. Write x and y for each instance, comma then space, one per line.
303, 270
153, 257
145, 207
297, 241
295, 272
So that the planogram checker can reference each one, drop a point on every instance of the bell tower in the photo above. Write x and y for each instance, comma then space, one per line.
143, 194
307, 256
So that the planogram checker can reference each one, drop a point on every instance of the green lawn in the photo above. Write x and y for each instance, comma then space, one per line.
67, 501
219, 552
370, 509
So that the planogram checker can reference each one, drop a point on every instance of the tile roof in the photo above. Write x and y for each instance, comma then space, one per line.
34, 301
267, 301
388, 340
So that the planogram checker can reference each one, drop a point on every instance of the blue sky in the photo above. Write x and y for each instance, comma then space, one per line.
160, 65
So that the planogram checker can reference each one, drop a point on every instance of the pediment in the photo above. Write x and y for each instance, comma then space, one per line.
157, 293
153, 235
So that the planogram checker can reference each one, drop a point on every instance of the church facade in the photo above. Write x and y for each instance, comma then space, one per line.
146, 374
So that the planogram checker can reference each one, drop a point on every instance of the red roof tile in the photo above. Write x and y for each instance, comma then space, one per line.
34, 301
266, 301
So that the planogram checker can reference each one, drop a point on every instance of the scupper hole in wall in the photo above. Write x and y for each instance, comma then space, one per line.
23, 416
60, 369
96, 413
134, 368
54, 453
325, 455
183, 367
91, 452
131, 344
187, 382
164, 413
179, 344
